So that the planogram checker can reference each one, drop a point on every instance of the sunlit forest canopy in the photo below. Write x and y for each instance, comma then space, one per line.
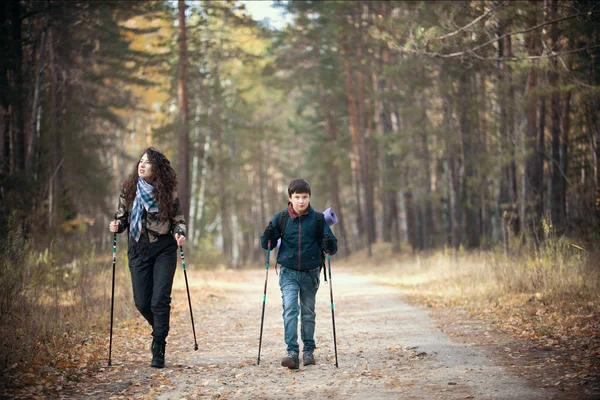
462, 124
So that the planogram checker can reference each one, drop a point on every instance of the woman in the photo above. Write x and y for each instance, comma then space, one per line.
149, 209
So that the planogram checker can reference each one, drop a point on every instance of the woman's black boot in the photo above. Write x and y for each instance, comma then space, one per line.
158, 354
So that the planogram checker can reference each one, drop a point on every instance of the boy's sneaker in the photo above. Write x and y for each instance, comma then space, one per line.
308, 358
291, 361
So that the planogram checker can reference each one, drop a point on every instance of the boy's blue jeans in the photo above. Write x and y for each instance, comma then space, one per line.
301, 285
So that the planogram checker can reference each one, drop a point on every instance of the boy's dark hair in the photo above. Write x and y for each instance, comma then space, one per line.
298, 186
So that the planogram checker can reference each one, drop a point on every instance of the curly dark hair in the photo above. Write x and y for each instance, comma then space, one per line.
298, 186
165, 183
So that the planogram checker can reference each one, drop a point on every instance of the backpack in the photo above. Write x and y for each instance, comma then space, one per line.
282, 221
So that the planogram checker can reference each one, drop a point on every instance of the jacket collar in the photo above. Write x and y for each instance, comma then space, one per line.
293, 214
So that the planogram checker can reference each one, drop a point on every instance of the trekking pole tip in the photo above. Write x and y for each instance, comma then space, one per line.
196, 347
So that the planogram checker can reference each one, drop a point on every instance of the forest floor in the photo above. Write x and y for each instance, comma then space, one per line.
391, 344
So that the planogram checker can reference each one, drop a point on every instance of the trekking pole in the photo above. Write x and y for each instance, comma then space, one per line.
262, 318
332, 309
112, 296
188, 294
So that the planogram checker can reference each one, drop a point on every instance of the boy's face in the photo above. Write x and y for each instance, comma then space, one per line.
300, 202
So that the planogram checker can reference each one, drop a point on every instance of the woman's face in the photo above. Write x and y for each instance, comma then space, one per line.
145, 168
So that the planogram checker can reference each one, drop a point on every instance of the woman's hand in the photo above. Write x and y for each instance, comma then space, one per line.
180, 239
113, 226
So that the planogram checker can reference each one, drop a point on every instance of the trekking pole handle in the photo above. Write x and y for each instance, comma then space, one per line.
115, 238
182, 257
268, 252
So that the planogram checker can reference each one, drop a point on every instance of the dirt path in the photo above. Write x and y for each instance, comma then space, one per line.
386, 350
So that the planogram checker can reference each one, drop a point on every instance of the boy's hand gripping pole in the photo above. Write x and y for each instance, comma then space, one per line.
262, 318
112, 295
187, 288
332, 309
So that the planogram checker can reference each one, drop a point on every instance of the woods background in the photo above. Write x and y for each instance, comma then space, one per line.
427, 125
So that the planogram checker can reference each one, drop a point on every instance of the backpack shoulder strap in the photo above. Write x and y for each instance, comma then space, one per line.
282, 221
320, 226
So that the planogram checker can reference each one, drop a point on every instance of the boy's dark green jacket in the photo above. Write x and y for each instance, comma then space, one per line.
299, 248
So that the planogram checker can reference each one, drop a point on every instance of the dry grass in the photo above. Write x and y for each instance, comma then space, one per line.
55, 311
557, 271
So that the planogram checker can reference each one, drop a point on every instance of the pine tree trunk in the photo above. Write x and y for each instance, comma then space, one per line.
4, 94
412, 228
18, 131
364, 123
383, 122
356, 161
484, 196
196, 172
378, 88
469, 193
566, 120
455, 226
332, 162
557, 202
54, 183
183, 170
35, 108
533, 169
201, 196
13, 135
428, 224
393, 124
222, 175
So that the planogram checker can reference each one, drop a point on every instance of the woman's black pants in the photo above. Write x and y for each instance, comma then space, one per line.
152, 267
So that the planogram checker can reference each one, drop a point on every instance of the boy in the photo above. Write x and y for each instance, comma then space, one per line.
300, 258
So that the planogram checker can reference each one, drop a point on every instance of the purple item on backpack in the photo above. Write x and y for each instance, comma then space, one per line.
330, 217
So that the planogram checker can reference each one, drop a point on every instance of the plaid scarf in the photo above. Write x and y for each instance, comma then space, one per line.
144, 198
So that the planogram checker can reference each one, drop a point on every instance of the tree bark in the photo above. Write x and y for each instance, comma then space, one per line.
428, 227
334, 183
196, 172
533, 170
469, 193
222, 175
13, 135
364, 123
356, 160
35, 108
412, 227
4, 94
455, 225
566, 120
557, 195
183, 170
54, 146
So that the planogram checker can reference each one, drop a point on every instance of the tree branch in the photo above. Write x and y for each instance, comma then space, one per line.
476, 48
485, 14
542, 56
